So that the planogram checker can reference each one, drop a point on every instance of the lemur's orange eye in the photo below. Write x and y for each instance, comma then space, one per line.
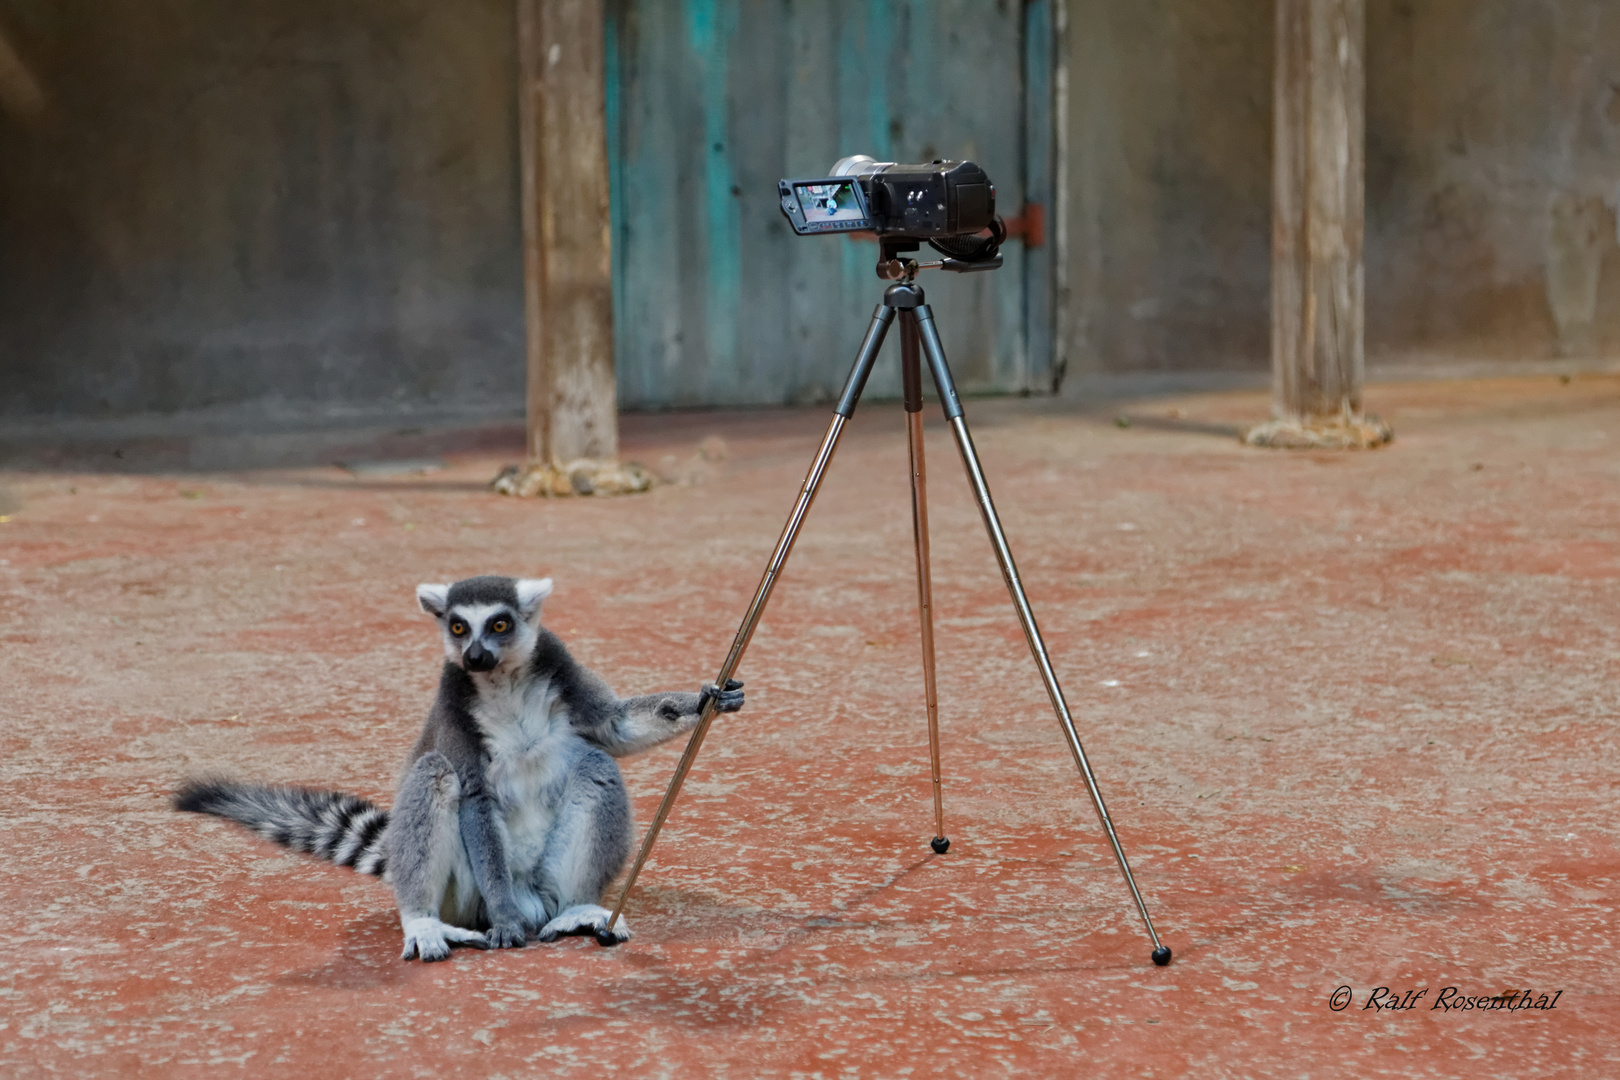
501, 626
458, 628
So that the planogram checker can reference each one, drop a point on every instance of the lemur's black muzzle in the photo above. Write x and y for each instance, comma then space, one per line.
478, 658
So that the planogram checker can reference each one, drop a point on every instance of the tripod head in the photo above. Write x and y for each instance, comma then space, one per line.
892, 264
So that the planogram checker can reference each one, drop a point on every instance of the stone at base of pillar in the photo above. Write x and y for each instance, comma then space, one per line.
582, 477
1327, 434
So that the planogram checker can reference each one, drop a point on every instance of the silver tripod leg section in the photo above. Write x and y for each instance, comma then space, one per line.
925, 605
881, 319
1026, 617
911, 382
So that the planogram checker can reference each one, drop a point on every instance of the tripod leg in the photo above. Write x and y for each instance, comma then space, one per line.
911, 379
881, 320
935, 352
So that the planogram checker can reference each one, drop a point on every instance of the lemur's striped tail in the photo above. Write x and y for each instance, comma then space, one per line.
344, 828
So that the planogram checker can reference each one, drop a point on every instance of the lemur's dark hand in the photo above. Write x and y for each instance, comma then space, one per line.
728, 700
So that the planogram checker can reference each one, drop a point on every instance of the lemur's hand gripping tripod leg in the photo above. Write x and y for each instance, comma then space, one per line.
881, 320
935, 353
911, 380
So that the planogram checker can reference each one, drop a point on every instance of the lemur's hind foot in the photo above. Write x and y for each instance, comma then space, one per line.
586, 920
431, 939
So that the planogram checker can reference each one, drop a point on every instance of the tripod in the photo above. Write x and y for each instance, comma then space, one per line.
904, 300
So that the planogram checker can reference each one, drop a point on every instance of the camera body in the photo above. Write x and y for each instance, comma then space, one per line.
922, 202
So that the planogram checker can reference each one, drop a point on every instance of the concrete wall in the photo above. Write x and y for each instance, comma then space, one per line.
285, 211
1493, 160
1169, 167
294, 212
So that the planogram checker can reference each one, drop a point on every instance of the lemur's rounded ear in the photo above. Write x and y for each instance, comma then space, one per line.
530, 591
433, 598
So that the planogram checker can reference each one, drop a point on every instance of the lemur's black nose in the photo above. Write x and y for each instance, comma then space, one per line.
479, 658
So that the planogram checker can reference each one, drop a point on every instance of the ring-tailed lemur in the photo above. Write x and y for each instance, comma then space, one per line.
512, 817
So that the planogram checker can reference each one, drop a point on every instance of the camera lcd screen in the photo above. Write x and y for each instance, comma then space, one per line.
830, 203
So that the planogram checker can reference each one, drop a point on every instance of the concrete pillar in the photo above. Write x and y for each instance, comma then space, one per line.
1317, 309
573, 436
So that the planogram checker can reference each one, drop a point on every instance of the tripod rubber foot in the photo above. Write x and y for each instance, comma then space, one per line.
1161, 955
940, 845
607, 939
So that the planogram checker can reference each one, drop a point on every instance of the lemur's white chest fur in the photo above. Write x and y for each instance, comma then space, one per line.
531, 747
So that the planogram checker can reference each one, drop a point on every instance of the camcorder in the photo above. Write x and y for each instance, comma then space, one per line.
949, 204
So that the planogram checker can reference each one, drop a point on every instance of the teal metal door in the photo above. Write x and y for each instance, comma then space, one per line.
710, 102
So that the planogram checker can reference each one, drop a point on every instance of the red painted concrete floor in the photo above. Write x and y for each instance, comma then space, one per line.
1355, 715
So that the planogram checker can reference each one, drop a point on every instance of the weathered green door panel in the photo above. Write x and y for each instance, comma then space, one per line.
712, 101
